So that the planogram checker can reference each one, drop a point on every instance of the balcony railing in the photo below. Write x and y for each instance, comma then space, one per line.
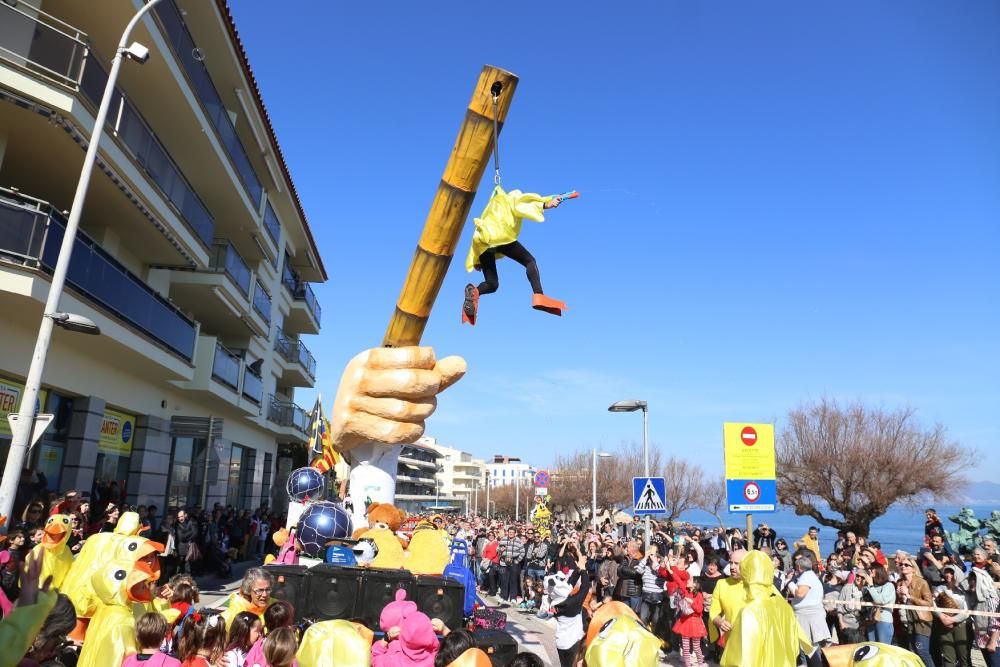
31, 233
226, 366
300, 290
129, 127
42, 44
262, 302
189, 55
295, 352
284, 413
226, 259
272, 225
253, 386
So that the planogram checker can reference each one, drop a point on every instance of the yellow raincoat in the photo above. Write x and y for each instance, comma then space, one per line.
765, 632
111, 633
58, 558
95, 552
623, 641
500, 223
19, 629
336, 643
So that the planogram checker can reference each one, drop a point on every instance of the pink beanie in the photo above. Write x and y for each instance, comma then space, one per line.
396, 612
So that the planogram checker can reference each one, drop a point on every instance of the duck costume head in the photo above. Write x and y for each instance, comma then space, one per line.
93, 555
621, 641
869, 654
337, 643
117, 585
58, 558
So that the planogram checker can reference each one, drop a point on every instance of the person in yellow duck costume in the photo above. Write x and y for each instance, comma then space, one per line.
336, 643
428, 553
58, 558
765, 633
95, 553
869, 654
111, 633
618, 639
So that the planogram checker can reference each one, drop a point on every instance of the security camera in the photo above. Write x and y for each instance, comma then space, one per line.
137, 52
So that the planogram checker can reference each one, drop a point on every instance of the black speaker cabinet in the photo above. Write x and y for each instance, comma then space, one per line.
332, 592
499, 645
441, 598
290, 584
378, 590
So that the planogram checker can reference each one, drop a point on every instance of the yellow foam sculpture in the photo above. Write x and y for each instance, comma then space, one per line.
95, 553
500, 223
336, 643
58, 558
427, 553
622, 641
111, 633
873, 654
765, 633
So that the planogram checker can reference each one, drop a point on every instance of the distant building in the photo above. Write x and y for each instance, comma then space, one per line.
461, 477
417, 484
508, 470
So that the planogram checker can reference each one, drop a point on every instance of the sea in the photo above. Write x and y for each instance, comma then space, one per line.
899, 528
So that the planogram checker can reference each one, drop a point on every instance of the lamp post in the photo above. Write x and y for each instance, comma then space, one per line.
52, 316
633, 406
593, 508
487, 494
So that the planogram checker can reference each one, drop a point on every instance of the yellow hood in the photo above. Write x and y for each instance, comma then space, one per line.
334, 643
623, 641
757, 572
128, 524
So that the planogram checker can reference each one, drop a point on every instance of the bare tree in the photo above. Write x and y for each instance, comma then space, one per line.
712, 498
683, 486
857, 462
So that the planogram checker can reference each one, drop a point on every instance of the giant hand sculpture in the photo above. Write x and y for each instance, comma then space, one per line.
385, 395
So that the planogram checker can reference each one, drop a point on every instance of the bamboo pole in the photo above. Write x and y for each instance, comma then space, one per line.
469, 158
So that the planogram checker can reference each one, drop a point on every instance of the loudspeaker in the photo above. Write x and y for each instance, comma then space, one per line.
290, 584
441, 598
379, 589
332, 592
498, 645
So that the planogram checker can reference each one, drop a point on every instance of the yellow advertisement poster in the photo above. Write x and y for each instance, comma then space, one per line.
10, 402
117, 431
749, 450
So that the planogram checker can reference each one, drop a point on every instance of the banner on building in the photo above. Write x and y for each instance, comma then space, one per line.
117, 431
10, 402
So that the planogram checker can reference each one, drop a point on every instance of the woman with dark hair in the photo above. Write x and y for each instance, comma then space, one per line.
32, 517
879, 590
452, 646
569, 613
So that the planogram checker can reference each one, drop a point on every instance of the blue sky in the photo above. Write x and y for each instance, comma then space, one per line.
780, 201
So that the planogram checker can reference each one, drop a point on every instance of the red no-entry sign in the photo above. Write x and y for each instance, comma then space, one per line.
749, 436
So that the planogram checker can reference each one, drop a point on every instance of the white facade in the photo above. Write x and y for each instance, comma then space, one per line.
462, 478
504, 470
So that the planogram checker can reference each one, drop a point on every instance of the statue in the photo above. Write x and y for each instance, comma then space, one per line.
992, 525
967, 537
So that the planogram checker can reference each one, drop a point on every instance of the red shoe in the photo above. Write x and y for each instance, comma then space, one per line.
470, 309
547, 304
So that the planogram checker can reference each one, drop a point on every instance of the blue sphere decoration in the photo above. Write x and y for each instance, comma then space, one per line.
320, 523
305, 482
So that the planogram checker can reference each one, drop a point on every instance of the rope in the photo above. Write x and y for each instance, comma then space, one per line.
912, 607
496, 135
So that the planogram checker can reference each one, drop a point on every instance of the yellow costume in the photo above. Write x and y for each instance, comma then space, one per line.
873, 654
390, 551
19, 629
623, 641
500, 223
58, 558
111, 633
812, 544
765, 632
473, 657
427, 553
95, 553
727, 601
237, 603
334, 644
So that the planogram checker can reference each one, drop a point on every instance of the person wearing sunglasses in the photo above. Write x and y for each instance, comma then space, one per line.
912, 589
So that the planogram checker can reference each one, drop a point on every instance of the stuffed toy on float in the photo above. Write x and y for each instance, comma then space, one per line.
387, 552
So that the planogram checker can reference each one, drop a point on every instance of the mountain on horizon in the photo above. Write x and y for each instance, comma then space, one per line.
980, 493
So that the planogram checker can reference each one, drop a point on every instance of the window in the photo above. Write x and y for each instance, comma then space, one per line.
187, 471
233, 487
265, 485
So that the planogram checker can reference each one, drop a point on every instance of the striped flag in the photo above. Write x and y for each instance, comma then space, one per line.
320, 440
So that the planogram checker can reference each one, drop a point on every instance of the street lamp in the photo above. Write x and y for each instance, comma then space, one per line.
52, 315
633, 406
593, 509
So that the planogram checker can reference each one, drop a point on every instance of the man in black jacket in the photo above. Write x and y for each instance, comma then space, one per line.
629, 578
185, 535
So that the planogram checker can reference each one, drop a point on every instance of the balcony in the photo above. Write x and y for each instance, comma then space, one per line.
222, 378
305, 313
41, 44
187, 54
226, 260
290, 417
253, 385
296, 361
226, 367
31, 233
262, 305
273, 228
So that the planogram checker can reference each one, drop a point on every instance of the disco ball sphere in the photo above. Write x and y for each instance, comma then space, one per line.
305, 482
320, 523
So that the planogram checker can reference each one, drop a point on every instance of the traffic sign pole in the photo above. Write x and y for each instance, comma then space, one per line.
749, 531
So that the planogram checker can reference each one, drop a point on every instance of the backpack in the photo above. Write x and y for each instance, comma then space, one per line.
459, 569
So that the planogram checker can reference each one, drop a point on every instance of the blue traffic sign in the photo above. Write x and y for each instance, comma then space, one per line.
648, 494
752, 495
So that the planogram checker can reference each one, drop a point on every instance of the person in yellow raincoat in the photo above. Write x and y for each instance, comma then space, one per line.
111, 634
765, 633
496, 237
58, 558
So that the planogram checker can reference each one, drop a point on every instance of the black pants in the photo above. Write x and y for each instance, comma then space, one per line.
518, 253
567, 657
510, 582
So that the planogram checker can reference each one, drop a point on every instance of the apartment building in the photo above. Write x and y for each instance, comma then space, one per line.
505, 470
418, 486
461, 478
194, 256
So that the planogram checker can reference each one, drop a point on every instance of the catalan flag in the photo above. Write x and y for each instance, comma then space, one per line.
320, 440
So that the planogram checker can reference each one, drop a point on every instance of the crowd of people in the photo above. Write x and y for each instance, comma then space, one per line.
685, 587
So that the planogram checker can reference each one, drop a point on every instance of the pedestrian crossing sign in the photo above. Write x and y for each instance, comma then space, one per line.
648, 494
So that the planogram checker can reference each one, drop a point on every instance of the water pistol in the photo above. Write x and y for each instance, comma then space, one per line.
572, 194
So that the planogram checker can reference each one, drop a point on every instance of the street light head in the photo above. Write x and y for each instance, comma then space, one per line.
628, 406
604, 455
76, 323
137, 52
